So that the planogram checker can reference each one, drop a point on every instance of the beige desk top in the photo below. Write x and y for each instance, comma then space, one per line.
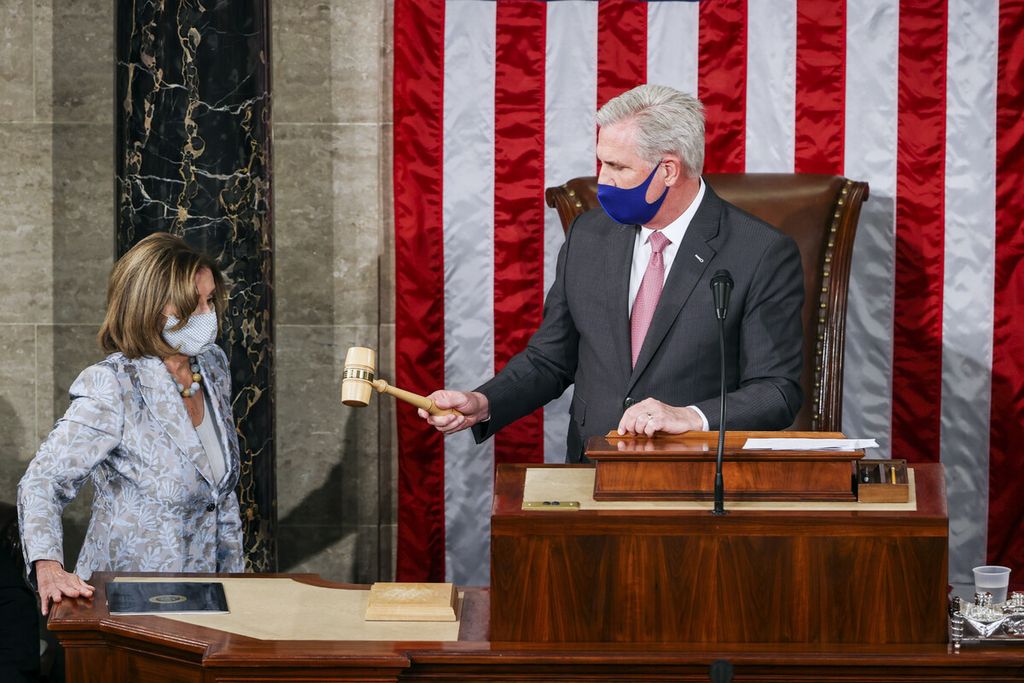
283, 609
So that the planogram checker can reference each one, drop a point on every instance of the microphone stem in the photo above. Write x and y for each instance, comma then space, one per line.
719, 483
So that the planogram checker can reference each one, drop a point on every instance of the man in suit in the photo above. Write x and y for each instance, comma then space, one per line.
630, 318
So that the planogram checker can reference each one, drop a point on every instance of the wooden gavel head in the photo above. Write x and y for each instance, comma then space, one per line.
358, 375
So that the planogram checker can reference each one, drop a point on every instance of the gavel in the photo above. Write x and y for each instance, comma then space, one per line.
358, 381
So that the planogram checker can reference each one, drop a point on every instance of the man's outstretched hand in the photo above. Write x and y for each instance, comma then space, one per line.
472, 404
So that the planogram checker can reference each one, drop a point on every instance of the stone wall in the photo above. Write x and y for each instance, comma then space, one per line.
56, 217
333, 255
333, 226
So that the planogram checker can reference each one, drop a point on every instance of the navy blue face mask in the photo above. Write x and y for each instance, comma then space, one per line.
629, 206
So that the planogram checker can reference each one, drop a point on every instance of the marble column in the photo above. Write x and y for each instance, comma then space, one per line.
193, 158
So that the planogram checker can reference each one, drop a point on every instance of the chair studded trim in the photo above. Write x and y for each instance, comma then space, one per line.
826, 333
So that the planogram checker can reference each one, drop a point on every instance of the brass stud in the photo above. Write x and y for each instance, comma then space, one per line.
579, 205
828, 259
825, 273
841, 201
572, 193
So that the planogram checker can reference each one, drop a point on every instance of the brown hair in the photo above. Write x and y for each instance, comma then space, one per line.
159, 270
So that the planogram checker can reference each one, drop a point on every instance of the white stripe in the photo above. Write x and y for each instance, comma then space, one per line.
872, 45
967, 297
569, 149
771, 85
469, 53
672, 42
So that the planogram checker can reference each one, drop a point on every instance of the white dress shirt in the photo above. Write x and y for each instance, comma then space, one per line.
674, 231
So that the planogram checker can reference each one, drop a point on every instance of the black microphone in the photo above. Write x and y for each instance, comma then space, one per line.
721, 287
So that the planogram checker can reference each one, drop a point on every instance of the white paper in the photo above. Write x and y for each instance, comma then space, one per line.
809, 444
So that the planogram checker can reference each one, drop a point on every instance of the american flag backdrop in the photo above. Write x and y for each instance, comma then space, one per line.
494, 101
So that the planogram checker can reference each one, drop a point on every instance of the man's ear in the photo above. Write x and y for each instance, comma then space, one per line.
672, 167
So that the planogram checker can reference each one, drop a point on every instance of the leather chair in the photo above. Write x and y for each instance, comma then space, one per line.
820, 213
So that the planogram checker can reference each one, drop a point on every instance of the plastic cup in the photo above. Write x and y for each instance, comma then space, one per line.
995, 580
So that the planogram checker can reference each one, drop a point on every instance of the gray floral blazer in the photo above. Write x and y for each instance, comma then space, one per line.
156, 506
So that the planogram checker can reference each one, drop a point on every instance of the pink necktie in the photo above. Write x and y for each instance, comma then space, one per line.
648, 294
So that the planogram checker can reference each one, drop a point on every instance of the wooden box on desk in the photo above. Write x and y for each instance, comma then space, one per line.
682, 467
753, 576
882, 481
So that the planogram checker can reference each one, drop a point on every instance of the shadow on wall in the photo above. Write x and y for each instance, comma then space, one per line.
332, 511
11, 460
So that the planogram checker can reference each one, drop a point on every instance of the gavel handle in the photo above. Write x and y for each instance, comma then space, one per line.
415, 399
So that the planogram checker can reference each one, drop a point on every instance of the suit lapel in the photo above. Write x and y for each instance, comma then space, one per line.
619, 261
692, 258
164, 402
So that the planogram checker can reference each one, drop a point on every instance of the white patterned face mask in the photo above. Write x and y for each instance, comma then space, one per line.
199, 332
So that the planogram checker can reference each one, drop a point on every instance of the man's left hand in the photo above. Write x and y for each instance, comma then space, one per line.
650, 416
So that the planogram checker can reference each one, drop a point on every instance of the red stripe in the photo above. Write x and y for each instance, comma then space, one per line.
419, 277
820, 86
1006, 486
519, 206
621, 47
722, 84
920, 180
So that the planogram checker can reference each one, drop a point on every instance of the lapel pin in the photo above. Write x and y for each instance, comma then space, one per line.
697, 256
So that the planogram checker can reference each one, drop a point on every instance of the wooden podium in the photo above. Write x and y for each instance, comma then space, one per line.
861, 575
682, 467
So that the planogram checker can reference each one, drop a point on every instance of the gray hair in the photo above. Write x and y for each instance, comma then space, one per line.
667, 121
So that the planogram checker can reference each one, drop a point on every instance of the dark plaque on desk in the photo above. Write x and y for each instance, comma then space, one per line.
170, 597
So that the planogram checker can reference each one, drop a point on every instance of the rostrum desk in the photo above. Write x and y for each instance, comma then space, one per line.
140, 649
648, 575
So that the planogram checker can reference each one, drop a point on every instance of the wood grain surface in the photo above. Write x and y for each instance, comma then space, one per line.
105, 649
749, 577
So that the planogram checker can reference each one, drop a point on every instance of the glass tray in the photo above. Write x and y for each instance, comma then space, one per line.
983, 623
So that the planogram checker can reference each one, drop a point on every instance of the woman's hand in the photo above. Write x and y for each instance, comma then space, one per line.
54, 583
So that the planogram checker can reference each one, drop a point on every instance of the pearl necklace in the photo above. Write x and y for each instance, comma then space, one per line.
197, 379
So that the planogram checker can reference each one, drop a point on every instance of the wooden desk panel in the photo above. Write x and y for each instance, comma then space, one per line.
682, 467
652, 576
102, 648
105, 649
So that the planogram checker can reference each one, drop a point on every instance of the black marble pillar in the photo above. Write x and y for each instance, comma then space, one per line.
193, 158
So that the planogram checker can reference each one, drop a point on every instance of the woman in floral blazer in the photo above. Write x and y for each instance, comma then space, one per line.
151, 425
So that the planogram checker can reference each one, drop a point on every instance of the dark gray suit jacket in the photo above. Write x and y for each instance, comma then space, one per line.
584, 337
